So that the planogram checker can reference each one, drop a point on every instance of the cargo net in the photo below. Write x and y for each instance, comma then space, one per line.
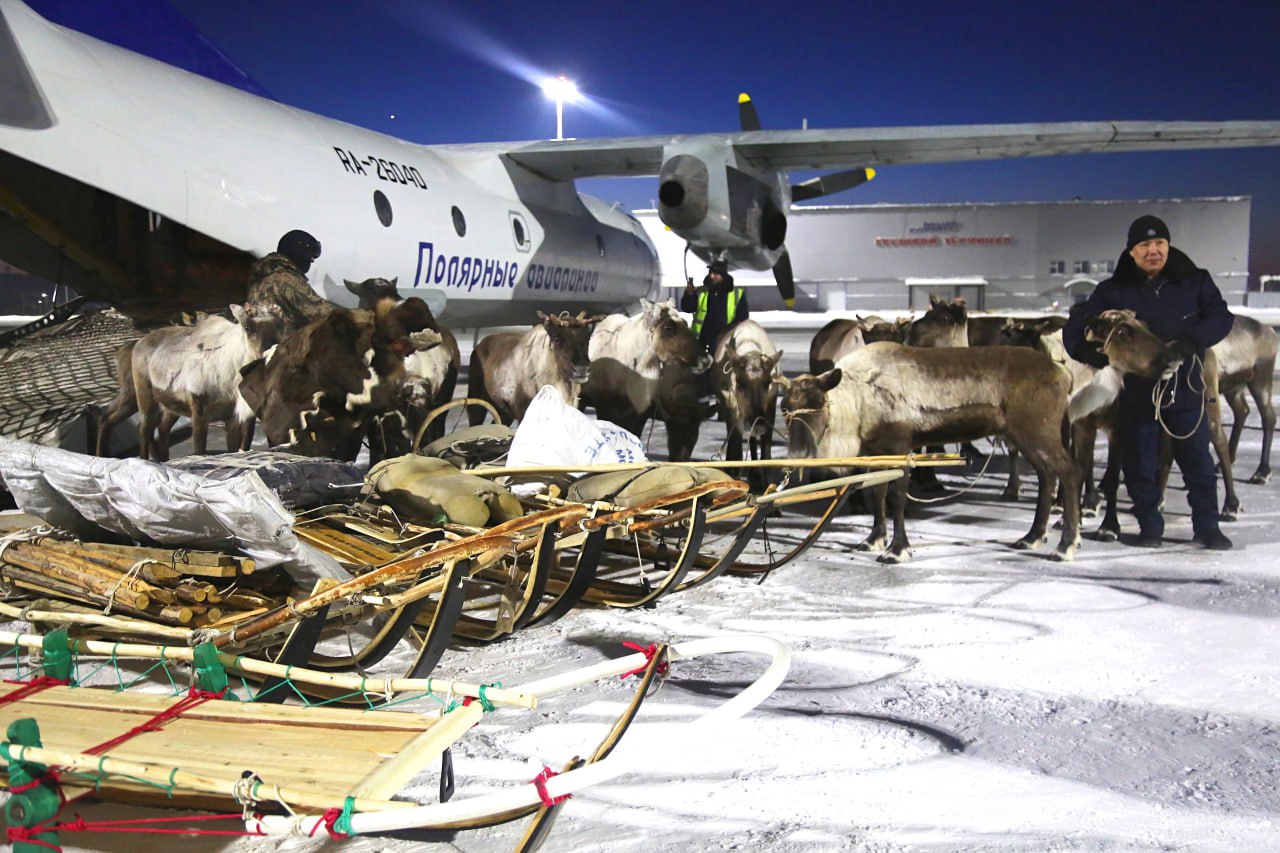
50, 378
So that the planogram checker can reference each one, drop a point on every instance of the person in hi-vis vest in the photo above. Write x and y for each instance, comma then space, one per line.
716, 306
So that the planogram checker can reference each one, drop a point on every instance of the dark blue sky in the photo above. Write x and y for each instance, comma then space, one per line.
450, 72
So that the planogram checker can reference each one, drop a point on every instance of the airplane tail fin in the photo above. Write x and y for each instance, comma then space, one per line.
152, 28
21, 104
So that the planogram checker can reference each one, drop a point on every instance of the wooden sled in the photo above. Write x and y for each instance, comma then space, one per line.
302, 771
421, 585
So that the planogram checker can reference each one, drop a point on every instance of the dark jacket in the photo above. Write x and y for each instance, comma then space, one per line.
1181, 302
276, 280
715, 322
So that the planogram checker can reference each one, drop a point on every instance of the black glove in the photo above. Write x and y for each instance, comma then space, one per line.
1184, 347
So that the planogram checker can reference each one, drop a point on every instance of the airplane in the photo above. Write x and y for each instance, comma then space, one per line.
153, 188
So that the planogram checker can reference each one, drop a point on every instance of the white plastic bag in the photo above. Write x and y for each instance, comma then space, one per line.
554, 433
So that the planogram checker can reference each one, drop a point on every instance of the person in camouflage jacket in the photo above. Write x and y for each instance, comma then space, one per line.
280, 278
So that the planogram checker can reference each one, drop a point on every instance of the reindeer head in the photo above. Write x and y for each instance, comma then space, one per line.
569, 338
672, 339
1129, 344
945, 324
875, 330
805, 411
263, 323
750, 383
371, 291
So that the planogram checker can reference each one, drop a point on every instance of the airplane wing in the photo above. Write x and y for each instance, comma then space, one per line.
793, 150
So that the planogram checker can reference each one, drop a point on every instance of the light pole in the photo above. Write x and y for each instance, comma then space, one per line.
560, 89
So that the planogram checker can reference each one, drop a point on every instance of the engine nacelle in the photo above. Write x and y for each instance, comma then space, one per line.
721, 208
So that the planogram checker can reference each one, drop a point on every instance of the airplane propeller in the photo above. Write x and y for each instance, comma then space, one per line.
822, 185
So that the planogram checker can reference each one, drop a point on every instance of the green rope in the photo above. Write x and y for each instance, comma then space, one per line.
484, 700
343, 823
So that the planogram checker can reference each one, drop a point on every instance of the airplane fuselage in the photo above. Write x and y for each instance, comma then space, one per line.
135, 181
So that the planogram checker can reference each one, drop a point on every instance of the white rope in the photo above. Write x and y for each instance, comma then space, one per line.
1157, 395
115, 587
967, 488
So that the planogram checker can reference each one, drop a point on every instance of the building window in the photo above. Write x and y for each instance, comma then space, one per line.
1081, 268
1057, 267
1104, 266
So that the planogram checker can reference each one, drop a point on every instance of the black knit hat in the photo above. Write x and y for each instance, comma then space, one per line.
299, 247
1146, 228
718, 266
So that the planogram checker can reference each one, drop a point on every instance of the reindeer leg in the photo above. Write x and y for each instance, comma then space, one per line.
1084, 439
246, 434
1260, 389
899, 549
148, 411
1239, 414
199, 427
877, 538
1067, 475
1046, 484
1231, 501
1013, 487
1109, 530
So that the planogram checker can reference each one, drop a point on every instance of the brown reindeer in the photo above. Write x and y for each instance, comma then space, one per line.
430, 375
1084, 431
508, 368
945, 324
1247, 363
645, 366
1131, 347
833, 342
745, 373
887, 398
318, 391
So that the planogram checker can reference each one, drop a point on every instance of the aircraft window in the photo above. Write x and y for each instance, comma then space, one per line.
600, 245
459, 222
382, 205
519, 231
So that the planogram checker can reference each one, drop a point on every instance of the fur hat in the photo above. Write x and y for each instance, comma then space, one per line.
1146, 228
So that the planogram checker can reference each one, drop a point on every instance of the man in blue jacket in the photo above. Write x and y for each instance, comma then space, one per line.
1181, 304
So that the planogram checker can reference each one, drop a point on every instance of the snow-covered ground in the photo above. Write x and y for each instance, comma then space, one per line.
975, 698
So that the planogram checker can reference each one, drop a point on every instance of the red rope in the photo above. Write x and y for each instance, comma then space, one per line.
51, 775
28, 834
30, 688
328, 821
649, 652
132, 825
540, 782
193, 698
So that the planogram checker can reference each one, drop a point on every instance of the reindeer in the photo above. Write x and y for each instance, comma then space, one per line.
887, 398
319, 390
508, 368
195, 371
430, 375
745, 372
1247, 362
644, 366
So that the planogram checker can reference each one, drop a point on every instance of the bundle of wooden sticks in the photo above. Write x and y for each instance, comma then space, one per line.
169, 587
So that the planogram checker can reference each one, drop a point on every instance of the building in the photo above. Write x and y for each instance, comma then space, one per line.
1008, 256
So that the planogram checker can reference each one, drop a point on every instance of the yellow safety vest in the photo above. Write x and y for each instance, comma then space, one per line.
730, 308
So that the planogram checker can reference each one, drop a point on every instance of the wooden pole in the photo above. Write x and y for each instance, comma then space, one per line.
914, 460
